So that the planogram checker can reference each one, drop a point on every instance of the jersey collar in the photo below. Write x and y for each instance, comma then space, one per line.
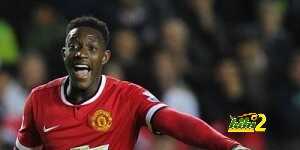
94, 98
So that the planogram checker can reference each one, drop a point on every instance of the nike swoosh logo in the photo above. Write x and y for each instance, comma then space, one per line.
49, 129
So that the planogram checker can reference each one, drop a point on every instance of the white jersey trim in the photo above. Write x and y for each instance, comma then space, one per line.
151, 112
22, 147
94, 98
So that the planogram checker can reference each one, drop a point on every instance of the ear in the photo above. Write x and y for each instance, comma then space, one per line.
63, 52
106, 56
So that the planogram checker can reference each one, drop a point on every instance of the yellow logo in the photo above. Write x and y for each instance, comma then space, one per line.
247, 123
101, 120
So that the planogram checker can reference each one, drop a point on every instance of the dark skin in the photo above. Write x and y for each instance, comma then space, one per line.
84, 56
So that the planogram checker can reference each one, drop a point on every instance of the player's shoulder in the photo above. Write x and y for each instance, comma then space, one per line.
131, 90
45, 92
51, 85
124, 85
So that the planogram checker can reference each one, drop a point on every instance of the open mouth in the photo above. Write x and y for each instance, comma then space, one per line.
82, 71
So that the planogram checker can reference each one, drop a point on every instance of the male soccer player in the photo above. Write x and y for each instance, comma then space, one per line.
90, 111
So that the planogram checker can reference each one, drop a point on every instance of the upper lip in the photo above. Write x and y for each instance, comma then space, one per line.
82, 65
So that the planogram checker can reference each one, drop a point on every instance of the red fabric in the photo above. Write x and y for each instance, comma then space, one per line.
50, 121
190, 130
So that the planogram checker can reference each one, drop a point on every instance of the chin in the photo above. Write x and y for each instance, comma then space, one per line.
83, 85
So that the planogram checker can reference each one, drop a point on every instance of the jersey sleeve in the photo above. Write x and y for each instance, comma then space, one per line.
147, 106
28, 138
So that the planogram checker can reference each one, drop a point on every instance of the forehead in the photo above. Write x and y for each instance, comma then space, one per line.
85, 32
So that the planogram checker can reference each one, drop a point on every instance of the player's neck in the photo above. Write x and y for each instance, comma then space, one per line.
78, 96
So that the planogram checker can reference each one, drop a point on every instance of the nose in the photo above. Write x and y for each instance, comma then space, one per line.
81, 53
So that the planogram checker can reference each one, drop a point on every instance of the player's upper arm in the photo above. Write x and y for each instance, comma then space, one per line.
147, 105
28, 138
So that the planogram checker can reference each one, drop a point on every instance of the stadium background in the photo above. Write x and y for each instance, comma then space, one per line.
210, 58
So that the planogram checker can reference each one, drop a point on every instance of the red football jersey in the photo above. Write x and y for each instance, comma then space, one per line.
109, 120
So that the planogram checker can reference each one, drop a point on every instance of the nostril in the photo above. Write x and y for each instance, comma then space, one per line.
78, 53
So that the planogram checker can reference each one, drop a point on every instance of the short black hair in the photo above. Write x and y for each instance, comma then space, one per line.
89, 21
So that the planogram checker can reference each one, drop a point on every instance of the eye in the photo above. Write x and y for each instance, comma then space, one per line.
73, 47
92, 48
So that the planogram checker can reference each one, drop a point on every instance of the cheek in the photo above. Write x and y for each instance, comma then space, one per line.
67, 60
66, 55
95, 60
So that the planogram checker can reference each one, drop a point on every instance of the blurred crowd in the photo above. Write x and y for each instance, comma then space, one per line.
208, 58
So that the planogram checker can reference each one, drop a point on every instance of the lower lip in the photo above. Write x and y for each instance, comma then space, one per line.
82, 74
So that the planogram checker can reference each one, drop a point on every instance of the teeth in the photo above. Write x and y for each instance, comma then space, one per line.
82, 66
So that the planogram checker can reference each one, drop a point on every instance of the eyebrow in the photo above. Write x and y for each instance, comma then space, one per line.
72, 37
